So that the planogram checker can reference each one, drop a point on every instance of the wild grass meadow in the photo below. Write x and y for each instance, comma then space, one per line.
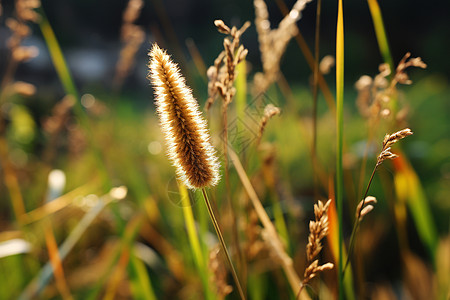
224, 150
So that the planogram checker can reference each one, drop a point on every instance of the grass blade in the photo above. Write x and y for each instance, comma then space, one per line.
340, 137
409, 189
194, 243
380, 32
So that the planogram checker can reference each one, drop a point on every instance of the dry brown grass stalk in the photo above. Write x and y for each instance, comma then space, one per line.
273, 42
318, 229
132, 36
222, 74
185, 130
269, 111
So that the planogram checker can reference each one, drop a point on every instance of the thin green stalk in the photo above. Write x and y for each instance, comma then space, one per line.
357, 221
190, 227
194, 242
222, 243
315, 96
142, 285
380, 32
340, 135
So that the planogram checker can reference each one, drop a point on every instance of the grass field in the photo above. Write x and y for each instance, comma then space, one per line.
327, 187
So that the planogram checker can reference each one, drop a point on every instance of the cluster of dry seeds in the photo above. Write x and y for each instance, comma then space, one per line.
318, 229
273, 42
222, 74
25, 13
389, 140
375, 94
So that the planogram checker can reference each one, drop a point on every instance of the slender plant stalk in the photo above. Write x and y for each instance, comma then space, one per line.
357, 222
190, 227
378, 23
194, 242
240, 104
340, 134
222, 243
315, 94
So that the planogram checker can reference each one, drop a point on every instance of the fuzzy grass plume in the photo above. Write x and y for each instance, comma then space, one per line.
185, 130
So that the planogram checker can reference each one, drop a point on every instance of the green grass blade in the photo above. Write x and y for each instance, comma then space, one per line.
409, 189
143, 287
199, 258
380, 32
340, 135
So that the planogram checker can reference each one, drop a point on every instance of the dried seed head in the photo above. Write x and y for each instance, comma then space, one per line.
389, 140
222, 27
365, 206
24, 88
22, 53
313, 269
326, 64
185, 130
318, 229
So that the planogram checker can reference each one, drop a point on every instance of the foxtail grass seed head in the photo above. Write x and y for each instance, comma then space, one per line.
185, 130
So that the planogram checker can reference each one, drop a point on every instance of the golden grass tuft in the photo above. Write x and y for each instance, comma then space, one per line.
318, 229
185, 130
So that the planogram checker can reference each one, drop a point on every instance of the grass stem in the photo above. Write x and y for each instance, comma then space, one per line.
357, 221
222, 243
315, 94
